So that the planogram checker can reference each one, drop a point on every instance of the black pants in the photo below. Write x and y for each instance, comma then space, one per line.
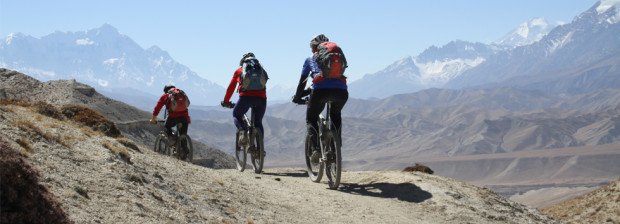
318, 98
172, 121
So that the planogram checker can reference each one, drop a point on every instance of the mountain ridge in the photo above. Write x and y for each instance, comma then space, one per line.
103, 58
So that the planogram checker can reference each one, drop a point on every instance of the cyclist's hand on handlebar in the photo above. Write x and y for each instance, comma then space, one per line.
298, 100
227, 104
153, 120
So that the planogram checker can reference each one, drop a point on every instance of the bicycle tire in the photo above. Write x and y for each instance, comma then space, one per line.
185, 148
240, 154
190, 149
333, 166
257, 163
315, 171
161, 144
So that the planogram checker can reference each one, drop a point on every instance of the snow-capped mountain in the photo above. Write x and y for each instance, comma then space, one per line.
527, 33
432, 68
105, 59
580, 56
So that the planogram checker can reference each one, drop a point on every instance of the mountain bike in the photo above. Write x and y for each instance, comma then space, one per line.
254, 146
178, 146
330, 161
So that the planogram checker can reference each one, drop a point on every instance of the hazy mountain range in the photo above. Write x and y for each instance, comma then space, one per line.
582, 56
117, 66
105, 59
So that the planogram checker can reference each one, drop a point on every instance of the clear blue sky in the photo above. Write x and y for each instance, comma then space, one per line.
210, 36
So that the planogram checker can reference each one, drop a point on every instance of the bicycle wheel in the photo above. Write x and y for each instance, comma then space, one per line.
186, 148
315, 170
160, 144
333, 164
240, 153
258, 155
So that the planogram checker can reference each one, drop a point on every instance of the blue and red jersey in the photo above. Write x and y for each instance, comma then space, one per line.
311, 68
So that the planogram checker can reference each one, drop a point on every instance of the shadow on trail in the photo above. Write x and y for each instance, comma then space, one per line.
404, 191
297, 173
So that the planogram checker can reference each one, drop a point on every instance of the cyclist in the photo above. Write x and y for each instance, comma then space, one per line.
252, 79
178, 114
323, 90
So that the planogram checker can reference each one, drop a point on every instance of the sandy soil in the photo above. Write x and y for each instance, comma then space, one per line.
97, 185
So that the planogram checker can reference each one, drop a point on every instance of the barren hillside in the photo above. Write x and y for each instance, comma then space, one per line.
102, 179
130, 120
599, 206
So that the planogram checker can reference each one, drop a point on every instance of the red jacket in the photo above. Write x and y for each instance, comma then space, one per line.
163, 100
233, 83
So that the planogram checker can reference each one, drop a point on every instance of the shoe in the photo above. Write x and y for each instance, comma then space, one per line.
314, 158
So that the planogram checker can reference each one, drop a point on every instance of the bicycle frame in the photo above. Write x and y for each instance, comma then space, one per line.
254, 146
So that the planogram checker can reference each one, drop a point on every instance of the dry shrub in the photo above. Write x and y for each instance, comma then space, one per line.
128, 143
418, 168
26, 145
88, 131
120, 151
21, 103
49, 110
29, 127
91, 118
62, 140
24, 199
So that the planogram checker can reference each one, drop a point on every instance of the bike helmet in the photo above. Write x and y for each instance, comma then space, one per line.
318, 39
246, 55
168, 87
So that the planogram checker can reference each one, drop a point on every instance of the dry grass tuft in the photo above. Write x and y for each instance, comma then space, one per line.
120, 151
418, 168
128, 143
62, 140
21, 103
26, 146
49, 110
81, 191
91, 118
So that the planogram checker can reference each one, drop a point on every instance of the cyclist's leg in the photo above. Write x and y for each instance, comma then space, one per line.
170, 122
184, 126
258, 111
242, 107
316, 104
339, 98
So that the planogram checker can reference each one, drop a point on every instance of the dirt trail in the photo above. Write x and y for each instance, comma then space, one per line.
96, 185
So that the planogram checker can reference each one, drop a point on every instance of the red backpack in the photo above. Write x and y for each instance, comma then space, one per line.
331, 60
177, 100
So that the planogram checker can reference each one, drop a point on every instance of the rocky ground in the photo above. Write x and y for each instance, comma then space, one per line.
101, 179
599, 206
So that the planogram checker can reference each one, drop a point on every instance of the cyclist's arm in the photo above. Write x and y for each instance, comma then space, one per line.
310, 67
233, 84
160, 103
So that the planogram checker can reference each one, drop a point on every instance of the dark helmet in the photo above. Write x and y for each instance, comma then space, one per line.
168, 87
246, 55
318, 39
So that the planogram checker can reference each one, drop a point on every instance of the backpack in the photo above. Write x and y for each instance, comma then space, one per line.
177, 100
253, 76
331, 60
